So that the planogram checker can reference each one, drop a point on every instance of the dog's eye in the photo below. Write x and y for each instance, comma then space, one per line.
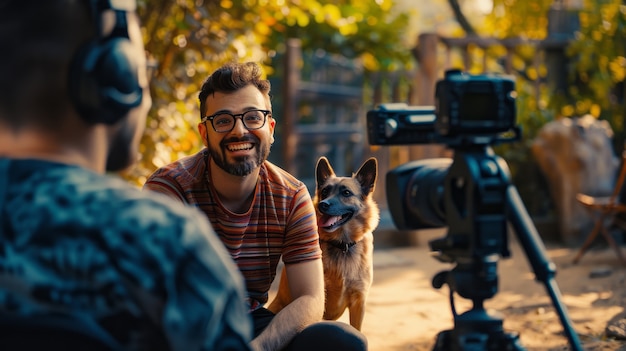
346, 193
324, 193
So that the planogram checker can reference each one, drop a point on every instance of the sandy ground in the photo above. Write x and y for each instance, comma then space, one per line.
404, 311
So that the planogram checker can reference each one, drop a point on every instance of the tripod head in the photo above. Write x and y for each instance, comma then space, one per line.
474, 200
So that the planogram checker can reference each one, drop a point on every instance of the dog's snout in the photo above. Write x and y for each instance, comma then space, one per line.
323, 206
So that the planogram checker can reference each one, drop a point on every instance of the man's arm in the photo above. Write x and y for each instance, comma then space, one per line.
306, 283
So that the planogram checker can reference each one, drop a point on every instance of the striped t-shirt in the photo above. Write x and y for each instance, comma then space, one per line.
280, 222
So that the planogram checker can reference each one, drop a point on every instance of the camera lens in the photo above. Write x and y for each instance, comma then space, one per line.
425, 192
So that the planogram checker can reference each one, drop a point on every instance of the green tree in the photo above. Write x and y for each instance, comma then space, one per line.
599, 57
188, 39
596, 67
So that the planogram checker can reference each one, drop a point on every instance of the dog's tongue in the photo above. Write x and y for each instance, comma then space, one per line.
327, 221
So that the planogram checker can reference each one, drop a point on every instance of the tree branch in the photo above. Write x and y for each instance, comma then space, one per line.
460, 17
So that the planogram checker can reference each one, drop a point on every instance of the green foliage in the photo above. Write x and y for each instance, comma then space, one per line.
594, 59
518, 18
595, 64
188, 39
599, 57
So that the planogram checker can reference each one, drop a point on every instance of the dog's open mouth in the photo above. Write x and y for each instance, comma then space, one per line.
329, 222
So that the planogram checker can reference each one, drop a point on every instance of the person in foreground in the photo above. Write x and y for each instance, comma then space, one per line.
260, 212
79, 247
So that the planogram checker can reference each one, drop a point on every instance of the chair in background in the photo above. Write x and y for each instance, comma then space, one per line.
607, 211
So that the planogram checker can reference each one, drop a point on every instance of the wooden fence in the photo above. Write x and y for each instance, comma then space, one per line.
322, 100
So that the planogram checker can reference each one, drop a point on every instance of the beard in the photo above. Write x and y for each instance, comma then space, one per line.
240, 166
125, 138
122, 151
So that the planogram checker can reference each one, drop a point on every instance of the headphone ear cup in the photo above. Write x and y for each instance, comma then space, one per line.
104, 84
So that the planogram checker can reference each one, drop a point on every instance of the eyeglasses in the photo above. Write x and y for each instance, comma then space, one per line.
224, 122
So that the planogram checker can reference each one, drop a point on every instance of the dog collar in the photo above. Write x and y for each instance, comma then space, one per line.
341, 245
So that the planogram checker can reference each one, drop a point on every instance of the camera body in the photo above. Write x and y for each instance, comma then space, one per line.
474, 107
471, 112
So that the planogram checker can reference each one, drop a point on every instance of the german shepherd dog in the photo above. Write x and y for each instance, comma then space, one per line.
346, 216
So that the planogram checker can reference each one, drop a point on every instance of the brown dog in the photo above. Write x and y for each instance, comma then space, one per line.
346, 216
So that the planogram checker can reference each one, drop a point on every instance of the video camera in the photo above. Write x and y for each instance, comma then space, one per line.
470, 111
468, 108
471, 194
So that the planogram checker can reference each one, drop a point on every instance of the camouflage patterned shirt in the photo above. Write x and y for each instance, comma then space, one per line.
148, 270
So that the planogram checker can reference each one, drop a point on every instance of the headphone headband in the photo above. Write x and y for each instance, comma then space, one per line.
103, 78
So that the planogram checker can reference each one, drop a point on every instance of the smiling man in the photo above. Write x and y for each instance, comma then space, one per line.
260, 212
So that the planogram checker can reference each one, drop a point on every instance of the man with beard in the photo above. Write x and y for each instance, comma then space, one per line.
83, 253
260, 212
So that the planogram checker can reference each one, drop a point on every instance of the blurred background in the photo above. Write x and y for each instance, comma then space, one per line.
330, 61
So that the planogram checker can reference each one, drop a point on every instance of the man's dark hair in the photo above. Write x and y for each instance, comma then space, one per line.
39, 40
230, 78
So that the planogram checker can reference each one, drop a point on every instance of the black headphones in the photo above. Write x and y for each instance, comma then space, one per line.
103, 81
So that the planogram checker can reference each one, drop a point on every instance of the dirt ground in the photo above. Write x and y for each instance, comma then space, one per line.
404, 311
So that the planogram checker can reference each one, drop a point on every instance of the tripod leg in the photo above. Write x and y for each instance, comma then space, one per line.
544, 268
594, 233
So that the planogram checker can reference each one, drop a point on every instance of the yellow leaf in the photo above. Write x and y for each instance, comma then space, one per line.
618, 69
302, 19
385, 5
596, 35
370, 62
595, 110
226, 4
262, 28
346, 29
567, 110
331, 13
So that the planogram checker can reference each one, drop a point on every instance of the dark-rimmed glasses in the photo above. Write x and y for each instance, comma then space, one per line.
224, 122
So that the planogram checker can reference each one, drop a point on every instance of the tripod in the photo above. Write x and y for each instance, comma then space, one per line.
478, 201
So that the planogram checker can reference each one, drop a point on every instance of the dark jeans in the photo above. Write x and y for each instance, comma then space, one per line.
326, 335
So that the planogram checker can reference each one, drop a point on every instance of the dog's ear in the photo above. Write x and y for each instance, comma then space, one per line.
366, 175
323, 170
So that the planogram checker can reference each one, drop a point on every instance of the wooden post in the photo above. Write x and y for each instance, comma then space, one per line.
562, 24
426, 76
424, 82
508, 61
293, 58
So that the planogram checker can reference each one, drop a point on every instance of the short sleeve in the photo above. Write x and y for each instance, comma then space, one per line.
301, 239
